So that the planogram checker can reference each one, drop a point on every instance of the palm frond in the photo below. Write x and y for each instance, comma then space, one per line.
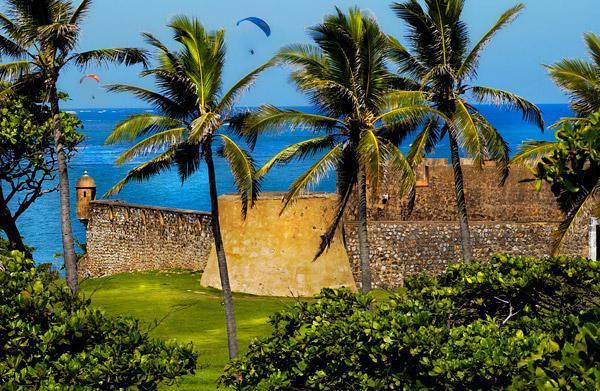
496, 148
163, 103
531, 152
581, 204
11, 48
155, 143
243, 168
593, 42
328, 236
188, 158
300, 150
467, 133
402, 169
425, 141
469, 65
407, 64
141, 124
530, 112
412, 112
313, 175
398, 98
203, 127
371, 153
581, 81
144, 171
103, 57
242, 85
13, 71
80, 12
269, 118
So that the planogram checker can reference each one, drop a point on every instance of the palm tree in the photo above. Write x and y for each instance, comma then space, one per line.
581, 79
40, 36
345, 77
193, 110
439, 63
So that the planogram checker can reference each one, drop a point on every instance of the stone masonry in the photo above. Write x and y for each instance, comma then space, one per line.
126, 238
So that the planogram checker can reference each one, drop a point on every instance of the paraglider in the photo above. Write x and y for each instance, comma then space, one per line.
92, 76
261, 24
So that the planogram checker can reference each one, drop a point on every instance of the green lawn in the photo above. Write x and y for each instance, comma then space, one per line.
180, 309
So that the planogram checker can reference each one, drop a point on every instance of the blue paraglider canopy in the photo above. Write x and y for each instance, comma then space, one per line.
258, 22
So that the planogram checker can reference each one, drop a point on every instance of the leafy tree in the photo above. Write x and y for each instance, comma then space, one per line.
441, 64
53, 340
344, 75
41, 36
27, 159
581, 79
571, 166
193, 111
492, 325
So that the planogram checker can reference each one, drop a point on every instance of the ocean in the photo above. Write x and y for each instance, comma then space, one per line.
40, 224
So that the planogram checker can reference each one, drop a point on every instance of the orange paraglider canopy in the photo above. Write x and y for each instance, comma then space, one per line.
90, 76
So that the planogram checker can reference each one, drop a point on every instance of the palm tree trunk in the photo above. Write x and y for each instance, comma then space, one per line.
65, 201
363, 234
463, 218
221, 259
9, 226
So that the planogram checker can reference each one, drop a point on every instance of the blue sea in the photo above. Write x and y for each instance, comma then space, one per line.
40, 224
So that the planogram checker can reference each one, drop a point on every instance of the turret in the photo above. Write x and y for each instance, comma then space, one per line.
86, 193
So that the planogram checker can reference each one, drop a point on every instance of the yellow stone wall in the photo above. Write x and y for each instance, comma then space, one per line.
272, 254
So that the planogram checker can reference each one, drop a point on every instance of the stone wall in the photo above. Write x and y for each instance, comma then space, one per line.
512, 218
487, 199
404, 248
125, 238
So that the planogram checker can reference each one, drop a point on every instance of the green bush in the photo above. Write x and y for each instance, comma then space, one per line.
478, 326
52, 340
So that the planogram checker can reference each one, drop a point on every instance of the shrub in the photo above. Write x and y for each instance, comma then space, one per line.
477, 326
52, 340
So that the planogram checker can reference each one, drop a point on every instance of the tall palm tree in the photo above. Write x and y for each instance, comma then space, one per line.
344, 75
40, 37
440, 63
581, 79
193, 110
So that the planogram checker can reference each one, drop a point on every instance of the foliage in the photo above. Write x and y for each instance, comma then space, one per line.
571, 166
581, 79
476, 326
51, 339
27, 157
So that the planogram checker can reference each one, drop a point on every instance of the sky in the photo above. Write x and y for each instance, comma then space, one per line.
547, 31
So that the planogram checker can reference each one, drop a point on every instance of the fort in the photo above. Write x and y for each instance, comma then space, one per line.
512, 218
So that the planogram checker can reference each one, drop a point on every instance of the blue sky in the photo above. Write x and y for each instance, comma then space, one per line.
547, 31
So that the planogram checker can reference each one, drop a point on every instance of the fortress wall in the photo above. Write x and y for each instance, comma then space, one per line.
487, 199
125, 238
405, 248
513, 218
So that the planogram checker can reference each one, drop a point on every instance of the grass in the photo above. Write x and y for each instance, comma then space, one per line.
175, 307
